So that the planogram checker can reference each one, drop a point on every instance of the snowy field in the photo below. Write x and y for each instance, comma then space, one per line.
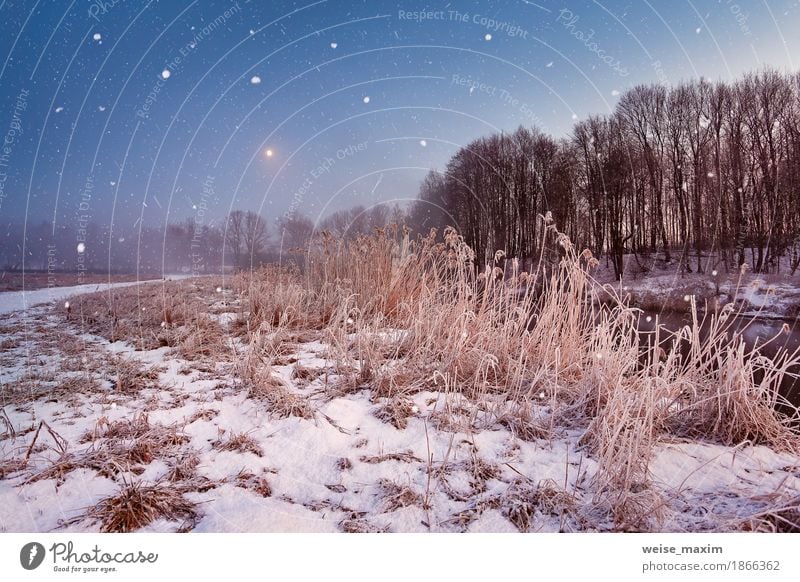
87, 423
11, 301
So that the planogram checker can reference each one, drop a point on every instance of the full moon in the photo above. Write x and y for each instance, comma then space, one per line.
268, 153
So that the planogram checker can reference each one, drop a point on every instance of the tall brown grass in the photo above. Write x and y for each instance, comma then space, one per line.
535, 351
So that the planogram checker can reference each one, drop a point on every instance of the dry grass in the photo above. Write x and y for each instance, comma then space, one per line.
184, 468
256, 372
539, 353
395, 496
173, 313
132, 377
119, 447
239, 443
784, 518
255, 483
137, 505
523, 502
396, 410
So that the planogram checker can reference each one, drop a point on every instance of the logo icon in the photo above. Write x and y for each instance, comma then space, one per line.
31, 555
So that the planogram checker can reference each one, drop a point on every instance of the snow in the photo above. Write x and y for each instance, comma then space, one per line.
11, 301
344, 468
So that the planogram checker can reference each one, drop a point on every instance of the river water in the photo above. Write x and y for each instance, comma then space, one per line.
771, 335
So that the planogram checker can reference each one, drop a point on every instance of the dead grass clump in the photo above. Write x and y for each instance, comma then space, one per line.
480, 472
184, 468
147, 316
276, 296
731, 394
305, 374
553, 500
157, 443
126, 428
524, 424
461, 520
257, 484
239, 443
203, 338
132, 377
622, 437
10, 344
125, 445
137, 505
10, 466
518, 504
523, 501
271, 389
397, 410
396, 496
205, 414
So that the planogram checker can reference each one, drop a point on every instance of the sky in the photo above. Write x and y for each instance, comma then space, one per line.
126, 112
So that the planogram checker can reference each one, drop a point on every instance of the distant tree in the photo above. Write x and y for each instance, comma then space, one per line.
254, 236
234, 235
430, 209
294, 232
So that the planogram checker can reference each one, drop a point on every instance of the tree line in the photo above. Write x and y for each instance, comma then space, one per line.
244, 239
701, 175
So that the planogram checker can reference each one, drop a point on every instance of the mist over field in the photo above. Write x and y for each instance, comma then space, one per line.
372, 267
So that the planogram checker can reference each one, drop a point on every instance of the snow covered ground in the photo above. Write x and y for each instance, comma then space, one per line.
11, 301
72, 437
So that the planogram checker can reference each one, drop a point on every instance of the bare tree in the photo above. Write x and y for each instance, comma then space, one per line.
294, 232
254, 235
234, 235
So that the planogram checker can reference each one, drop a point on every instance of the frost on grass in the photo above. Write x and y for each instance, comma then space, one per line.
390, 386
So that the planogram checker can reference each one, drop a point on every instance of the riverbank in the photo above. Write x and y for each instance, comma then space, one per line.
377, 394
774, 296
31, 281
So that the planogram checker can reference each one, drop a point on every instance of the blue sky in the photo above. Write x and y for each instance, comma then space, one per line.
126, 111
